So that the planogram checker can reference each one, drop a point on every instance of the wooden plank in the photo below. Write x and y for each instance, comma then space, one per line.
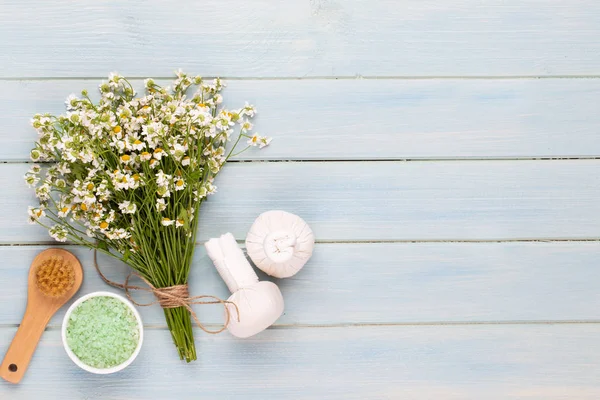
453, 200
373, 119
299, 39
381, 283
416, 362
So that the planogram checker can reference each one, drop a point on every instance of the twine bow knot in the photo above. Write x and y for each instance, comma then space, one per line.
171, 297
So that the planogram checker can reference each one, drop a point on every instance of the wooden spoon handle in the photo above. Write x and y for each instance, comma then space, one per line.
21, 349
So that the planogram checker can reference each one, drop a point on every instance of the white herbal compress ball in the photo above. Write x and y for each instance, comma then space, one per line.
260, 304
280, 243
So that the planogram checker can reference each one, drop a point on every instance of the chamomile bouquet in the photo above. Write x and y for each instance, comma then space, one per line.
126, 175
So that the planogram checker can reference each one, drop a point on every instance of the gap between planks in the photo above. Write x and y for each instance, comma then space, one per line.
241, 241
317, 77
52, 327
376, 160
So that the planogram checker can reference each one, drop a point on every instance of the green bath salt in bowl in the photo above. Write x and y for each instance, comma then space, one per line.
102, 332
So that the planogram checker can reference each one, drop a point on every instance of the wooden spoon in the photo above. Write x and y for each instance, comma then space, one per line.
54, 277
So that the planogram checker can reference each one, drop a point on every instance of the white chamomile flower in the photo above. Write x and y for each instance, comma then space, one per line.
72, 102
127, 207
199, 194
160, 205
145, 156
111, 216
163, 191
35, 214
32, 179
148, 83
63, 168
126, 159
135, 143
264, 142
254, 140
117, 234
178, 151
185, 161
43, 192
179, 185
210, 188
214, 166
179, 223
64, 211
248, 110
246, 126
89, 199
159, 153
59, 233
35, 155
167, 222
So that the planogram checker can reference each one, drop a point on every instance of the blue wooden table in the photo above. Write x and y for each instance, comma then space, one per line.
446, 154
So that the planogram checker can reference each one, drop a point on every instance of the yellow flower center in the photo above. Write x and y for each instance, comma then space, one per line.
145, 154
90, 186
153, 161
65, 209
158, 150
117, 129
83, 207
38, 213
179, 183
180, 221
136, 177
124, 179
125, 157
104, 225
137, 141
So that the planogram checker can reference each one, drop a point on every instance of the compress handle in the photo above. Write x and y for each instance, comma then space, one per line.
23, 346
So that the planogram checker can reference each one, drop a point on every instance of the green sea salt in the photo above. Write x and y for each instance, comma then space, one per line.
102, 332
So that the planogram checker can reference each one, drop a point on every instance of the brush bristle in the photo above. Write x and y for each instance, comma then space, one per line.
55, 277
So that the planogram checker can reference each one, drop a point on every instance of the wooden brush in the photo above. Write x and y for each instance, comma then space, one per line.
54, 278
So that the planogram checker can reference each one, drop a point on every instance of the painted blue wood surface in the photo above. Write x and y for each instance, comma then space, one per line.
369, 201
407, 283
496, 362
372, 119
268, 38
449, 276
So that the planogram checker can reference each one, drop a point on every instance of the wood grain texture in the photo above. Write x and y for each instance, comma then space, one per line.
350, 201
302, 38
372, 119
381, 283
449, 362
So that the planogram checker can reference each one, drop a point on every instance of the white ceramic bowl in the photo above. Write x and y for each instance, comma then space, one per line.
72, 355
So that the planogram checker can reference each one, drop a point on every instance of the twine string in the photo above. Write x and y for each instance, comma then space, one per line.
171, 297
